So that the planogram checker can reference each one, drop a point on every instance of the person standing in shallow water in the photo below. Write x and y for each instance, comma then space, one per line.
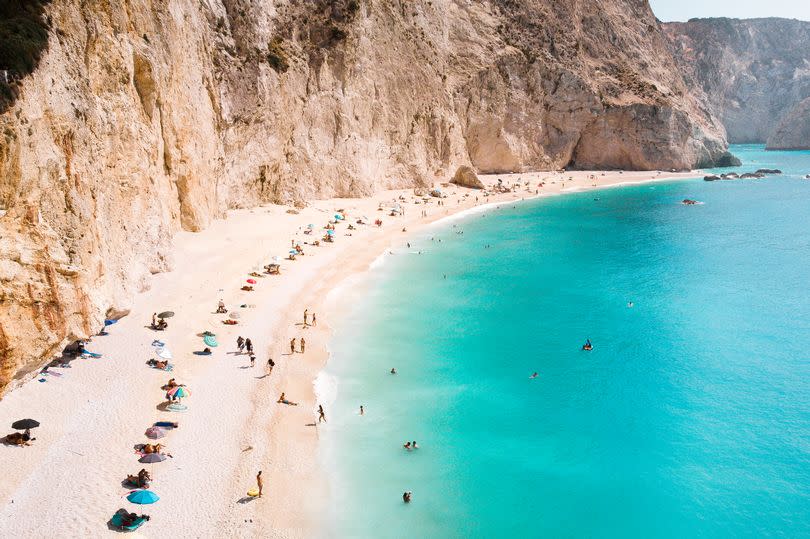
361, 410
292, 345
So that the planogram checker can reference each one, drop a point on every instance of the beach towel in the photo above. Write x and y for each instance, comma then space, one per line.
177, 407
87, 353
118, 522
164, 353
210, 340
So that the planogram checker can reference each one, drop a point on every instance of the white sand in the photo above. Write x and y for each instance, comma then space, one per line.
68, 483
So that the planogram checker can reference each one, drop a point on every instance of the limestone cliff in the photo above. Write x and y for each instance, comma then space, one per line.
144, 117
750, 72
793, 131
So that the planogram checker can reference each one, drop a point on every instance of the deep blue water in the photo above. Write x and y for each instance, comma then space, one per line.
690, 418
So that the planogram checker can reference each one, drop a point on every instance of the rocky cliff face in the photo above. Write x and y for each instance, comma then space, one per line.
793, 131
750, 72
145, 117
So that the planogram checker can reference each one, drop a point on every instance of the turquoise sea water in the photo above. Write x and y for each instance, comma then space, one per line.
690, 418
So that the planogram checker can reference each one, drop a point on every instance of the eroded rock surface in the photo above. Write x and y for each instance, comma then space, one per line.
750, 72
143, 118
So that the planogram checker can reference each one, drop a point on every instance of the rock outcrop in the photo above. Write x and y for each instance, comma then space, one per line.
466, 177
793, 131
751, 73
143, 118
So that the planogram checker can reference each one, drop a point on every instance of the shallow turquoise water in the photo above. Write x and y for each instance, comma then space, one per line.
691, 417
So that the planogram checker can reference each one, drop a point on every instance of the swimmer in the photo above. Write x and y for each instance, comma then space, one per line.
393, 370
406, 497
533, 376
407, 446
630, 304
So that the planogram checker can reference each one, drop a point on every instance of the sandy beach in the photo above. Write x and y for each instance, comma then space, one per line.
68, 483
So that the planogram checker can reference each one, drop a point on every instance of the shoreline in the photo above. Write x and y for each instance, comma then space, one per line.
233, 427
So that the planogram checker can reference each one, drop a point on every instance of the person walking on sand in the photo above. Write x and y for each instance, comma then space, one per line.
321, 414
314, 320
306, 317
240, 343
249, 346
303, 345
292, 345
252, 360
259, 482
270, 365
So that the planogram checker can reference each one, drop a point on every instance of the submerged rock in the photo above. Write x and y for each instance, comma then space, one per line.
768, 171
711, 177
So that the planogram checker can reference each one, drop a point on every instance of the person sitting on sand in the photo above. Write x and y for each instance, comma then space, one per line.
171, 383
141, 480
19, 438
283, 400
152, 448
158, 364
221, 307
247, 288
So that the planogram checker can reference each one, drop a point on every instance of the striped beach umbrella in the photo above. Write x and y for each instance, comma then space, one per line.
179, 392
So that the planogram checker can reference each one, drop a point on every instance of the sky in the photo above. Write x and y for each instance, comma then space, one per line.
681, 10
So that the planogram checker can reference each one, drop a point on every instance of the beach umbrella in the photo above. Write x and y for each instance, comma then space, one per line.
165, 314
143, 497
276, 258
330, 232
164, 353
151, 458
252, 281
109, 322
310, 225
23, 424
155, 432
178, 392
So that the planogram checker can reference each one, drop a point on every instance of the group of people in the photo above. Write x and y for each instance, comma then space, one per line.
158, 324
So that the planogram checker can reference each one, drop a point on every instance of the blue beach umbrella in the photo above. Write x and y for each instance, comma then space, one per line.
330, 232
143, 497
109, 322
